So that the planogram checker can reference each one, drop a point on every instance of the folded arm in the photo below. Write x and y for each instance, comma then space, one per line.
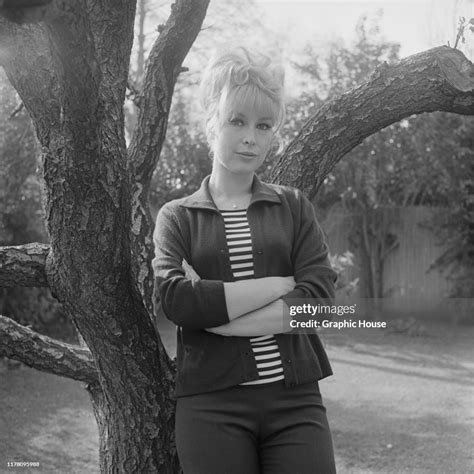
271, 319
248, 295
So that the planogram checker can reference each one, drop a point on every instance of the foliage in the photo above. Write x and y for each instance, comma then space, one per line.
184, 160
21, 215
455, 225
340, 264
462, 26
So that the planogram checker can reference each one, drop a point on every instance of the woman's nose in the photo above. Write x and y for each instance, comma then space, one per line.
249, 137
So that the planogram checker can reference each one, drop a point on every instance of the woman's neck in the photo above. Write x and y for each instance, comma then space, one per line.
230, 185
230, 190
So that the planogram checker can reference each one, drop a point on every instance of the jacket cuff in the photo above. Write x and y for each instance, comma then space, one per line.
213, 311
193, 304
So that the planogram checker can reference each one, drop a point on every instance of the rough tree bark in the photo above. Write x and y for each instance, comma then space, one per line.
23, 265
71, 72
440, 79
46, 354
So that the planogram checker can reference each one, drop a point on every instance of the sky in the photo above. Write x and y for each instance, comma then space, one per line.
416, 24
289, 26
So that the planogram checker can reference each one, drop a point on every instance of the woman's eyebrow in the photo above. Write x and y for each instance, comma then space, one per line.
237, 114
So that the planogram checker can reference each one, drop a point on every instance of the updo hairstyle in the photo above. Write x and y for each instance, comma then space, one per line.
235, 75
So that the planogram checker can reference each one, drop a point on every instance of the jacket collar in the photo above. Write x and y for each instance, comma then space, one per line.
202, 198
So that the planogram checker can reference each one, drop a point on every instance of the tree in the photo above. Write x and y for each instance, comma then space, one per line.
71, 70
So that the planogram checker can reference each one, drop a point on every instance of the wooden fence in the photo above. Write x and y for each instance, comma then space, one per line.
410, 283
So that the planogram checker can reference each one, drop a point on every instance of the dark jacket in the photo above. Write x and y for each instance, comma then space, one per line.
286, 240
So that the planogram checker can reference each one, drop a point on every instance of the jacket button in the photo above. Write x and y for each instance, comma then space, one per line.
289, 361
260, 252
292, 384
222, 250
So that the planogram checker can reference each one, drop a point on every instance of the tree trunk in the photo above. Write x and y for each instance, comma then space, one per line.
71, 74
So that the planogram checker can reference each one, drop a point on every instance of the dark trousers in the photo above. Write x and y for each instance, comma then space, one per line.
260, 429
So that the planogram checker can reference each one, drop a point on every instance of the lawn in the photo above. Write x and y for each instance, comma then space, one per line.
395, 404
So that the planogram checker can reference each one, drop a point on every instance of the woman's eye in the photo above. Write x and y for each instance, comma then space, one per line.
264, 126
236, 121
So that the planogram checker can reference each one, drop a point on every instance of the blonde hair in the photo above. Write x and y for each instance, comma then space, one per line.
235, 74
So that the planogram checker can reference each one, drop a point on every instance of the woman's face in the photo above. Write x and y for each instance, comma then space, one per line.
243, 138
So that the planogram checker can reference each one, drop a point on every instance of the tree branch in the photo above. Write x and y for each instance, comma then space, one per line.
438, 79
46, 354
23, 265
163, 68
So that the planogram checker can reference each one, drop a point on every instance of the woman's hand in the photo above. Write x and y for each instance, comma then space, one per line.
189, 271
287, 284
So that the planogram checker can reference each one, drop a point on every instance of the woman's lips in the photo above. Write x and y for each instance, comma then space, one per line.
247, 154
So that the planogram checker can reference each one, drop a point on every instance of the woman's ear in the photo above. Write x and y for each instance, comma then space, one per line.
211, 139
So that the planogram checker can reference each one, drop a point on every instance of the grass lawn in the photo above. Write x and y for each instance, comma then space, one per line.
402, 404
395, 404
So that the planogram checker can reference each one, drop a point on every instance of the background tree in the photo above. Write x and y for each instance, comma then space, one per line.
71, 71
454, 223
21, 218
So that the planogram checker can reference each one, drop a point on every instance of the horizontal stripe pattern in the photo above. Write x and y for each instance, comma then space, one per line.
268, 358
239, 244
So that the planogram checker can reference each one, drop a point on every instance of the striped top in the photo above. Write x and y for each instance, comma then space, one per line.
239, 243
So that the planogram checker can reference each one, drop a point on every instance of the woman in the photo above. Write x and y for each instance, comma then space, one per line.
247, 390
